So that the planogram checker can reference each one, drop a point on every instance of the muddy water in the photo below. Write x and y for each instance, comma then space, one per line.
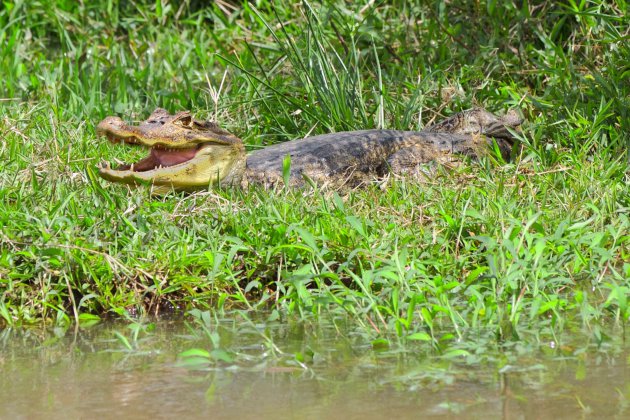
238, 369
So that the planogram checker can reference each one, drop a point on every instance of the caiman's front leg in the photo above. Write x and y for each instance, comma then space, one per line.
417, 161
420, 160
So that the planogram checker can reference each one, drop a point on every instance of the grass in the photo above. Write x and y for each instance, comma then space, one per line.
535, 244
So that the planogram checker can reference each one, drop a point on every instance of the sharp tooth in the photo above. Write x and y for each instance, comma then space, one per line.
131, 168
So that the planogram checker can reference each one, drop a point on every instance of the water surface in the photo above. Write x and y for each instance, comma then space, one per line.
239, 369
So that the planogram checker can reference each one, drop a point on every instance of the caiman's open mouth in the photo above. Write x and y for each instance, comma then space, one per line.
184, 153
159, 156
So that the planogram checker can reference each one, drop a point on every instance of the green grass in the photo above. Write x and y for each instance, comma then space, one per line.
534, 244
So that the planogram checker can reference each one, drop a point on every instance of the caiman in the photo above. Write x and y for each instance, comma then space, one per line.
189, 154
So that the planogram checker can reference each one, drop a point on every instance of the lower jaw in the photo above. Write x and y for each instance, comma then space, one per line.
200, 172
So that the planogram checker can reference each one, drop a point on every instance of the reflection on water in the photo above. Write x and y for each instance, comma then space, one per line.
294, 370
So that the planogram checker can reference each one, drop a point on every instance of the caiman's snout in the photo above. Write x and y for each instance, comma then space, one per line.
115, 129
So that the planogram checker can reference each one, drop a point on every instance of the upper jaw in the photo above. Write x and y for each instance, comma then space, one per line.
117, 131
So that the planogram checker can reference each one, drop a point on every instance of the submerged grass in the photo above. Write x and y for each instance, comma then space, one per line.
210, 361
527, 245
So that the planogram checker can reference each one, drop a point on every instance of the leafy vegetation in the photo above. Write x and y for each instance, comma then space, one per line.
533, 244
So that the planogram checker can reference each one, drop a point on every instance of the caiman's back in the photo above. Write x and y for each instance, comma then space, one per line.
359, 156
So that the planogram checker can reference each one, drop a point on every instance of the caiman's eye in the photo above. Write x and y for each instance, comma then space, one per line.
184, 121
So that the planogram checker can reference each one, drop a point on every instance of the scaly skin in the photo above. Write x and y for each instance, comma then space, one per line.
188, 154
